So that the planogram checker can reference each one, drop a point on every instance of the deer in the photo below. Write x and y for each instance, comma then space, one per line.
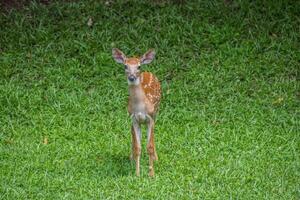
143, 102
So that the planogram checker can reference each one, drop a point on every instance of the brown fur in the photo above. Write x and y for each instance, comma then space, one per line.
132, 61
151, 87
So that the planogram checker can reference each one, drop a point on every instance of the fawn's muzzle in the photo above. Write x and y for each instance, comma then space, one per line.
131, 78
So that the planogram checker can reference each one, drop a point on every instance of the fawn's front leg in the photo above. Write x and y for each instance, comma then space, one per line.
151, 145
136, 145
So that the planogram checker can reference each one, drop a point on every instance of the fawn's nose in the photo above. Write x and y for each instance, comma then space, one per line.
131, 78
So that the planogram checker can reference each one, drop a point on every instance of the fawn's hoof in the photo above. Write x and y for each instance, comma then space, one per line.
151, 172
137, 174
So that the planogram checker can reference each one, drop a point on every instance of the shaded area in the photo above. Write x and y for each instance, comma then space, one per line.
7, 5
115, 165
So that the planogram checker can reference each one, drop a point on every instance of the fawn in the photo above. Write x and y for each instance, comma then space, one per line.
143, 102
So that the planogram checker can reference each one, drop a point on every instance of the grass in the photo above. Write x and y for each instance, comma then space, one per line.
228, 126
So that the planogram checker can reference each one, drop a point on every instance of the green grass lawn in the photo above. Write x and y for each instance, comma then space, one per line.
228, 126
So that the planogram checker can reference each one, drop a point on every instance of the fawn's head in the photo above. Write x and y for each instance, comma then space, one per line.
133, 65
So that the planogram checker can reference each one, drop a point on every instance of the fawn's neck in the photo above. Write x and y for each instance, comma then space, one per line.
136, 94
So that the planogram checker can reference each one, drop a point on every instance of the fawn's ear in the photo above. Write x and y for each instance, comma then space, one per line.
148, 57
118, 55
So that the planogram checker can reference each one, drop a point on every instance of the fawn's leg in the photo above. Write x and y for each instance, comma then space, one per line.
136, 139
151, 145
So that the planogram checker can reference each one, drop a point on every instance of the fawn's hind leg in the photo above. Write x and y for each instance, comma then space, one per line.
151, 146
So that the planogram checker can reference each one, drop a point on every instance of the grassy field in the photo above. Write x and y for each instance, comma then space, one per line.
228, 126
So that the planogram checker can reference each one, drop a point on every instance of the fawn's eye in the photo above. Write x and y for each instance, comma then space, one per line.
125, 66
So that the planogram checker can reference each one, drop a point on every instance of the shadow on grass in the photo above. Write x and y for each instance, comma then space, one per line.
115, 165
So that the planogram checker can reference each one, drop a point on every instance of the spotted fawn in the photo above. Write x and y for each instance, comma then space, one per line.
143, 103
